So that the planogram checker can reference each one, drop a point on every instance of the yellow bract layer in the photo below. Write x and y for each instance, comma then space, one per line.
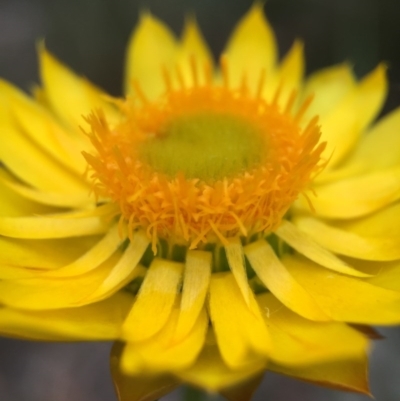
196, 210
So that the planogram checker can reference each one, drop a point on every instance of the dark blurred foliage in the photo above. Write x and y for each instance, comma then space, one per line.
90, 36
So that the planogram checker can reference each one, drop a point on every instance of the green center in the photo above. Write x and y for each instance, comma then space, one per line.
206, 146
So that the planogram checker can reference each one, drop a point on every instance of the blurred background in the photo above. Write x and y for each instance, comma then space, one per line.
90, 36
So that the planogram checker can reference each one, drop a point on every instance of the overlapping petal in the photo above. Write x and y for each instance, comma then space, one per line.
357, 301
69, 95
98, 321
251, 48
152, 47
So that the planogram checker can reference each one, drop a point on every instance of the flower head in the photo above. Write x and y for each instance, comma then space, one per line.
216, 222
204, 163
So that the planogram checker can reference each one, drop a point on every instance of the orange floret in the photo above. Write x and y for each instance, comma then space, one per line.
199, 210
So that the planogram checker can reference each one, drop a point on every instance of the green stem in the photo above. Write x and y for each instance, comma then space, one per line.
193, 394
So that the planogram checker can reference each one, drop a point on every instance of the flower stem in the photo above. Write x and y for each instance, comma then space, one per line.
194, 394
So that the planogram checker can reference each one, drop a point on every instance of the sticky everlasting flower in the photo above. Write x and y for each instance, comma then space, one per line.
219, 221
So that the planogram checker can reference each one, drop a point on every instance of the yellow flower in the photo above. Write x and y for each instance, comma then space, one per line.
214, 226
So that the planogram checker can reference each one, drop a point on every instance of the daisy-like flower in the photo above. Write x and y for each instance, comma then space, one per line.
219, 221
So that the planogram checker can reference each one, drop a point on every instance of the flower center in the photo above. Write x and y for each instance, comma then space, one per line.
204, 162
204, 145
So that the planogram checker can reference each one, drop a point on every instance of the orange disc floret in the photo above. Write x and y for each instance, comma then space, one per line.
179, 196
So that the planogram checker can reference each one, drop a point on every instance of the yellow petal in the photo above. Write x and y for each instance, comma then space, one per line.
14, 205
382, 139
345, 298
55, 293
340, 130
37, 123
152, 47
99, 321
388, 276
11, 272
43, 254
93, 257
328, 86
280, 281
45, 198
105, 210
138, 388
342, 127
340, 173
383, 223
371, 95
70, 96
290, 72
235, 256
161, 353
211, 373
240, 331
28, 161
127, 268
371, 267
308, 245
195, 286
193, 48
155, 300
251, 48
299, 342
355, 196
51, 227
347, 243
348, 374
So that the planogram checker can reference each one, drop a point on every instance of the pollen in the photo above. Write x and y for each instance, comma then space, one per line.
205, 162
